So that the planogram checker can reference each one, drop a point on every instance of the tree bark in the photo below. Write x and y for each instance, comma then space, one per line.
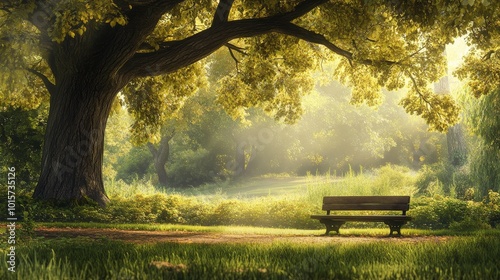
85, 70
457, 146
74, 141
160, 156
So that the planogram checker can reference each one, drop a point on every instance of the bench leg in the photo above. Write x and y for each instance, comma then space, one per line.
395, 226
332, 225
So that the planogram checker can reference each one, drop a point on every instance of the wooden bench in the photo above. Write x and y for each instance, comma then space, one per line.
364, 203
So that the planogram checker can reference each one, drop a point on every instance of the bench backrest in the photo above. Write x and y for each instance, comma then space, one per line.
401, 203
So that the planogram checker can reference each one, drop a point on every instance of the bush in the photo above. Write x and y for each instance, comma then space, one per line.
444, 212
135, 165
444, 179
291, 211
493, 204
190, 168
431, 176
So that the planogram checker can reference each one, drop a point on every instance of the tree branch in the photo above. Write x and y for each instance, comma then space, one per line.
313, 37
222, 12
235, 48
421, 95
49, 85
236, 61
187, 51
152, 149
488, 55
148, 47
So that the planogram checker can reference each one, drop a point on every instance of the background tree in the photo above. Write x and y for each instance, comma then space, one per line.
168, 113
85, 52
482, 118
117, 141
481, 72
455, 139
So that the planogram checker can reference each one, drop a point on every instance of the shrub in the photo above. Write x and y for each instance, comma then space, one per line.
444, 179
190, 168
135, 165
433, 175
444, 212
493, 204
227, 212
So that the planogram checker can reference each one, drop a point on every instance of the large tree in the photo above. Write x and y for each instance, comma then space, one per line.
86, 52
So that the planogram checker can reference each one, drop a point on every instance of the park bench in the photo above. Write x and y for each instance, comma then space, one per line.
364, 203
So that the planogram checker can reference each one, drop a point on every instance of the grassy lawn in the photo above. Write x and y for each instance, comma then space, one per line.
169, 248
472, 255
407, 232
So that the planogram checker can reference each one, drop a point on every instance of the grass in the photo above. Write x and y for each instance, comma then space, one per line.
388, 180
466, 257
345, 231
243, 188
251, 187
187, 228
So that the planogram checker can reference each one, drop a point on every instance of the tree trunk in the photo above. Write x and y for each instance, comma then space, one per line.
160, 157
455, 139
74, 141
457, 146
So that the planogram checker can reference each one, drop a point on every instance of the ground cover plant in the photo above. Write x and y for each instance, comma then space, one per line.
259, 207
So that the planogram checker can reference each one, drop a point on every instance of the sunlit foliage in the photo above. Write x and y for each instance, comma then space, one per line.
376, 44
83, 53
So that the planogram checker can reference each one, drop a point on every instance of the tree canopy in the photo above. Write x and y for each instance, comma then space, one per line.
86, 52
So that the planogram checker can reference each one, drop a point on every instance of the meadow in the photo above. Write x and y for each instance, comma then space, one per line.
275, 202
449, 238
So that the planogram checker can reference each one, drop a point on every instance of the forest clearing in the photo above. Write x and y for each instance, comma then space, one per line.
201, 139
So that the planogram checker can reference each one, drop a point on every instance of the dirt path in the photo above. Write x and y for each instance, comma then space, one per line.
136, 236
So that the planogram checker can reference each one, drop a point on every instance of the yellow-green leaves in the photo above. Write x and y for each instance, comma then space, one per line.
274, 76
117, 20
72, 17
481, 70
380, 44
153, 101
439, 111
19, 50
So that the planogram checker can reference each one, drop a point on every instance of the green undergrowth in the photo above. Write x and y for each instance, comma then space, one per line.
436, 212
141, 204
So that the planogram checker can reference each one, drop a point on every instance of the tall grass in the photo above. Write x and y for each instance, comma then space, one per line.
140, 203
470, 257
387, 180
123, 190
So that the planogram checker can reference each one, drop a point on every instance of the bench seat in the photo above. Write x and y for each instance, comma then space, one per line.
354, 218
364, 203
